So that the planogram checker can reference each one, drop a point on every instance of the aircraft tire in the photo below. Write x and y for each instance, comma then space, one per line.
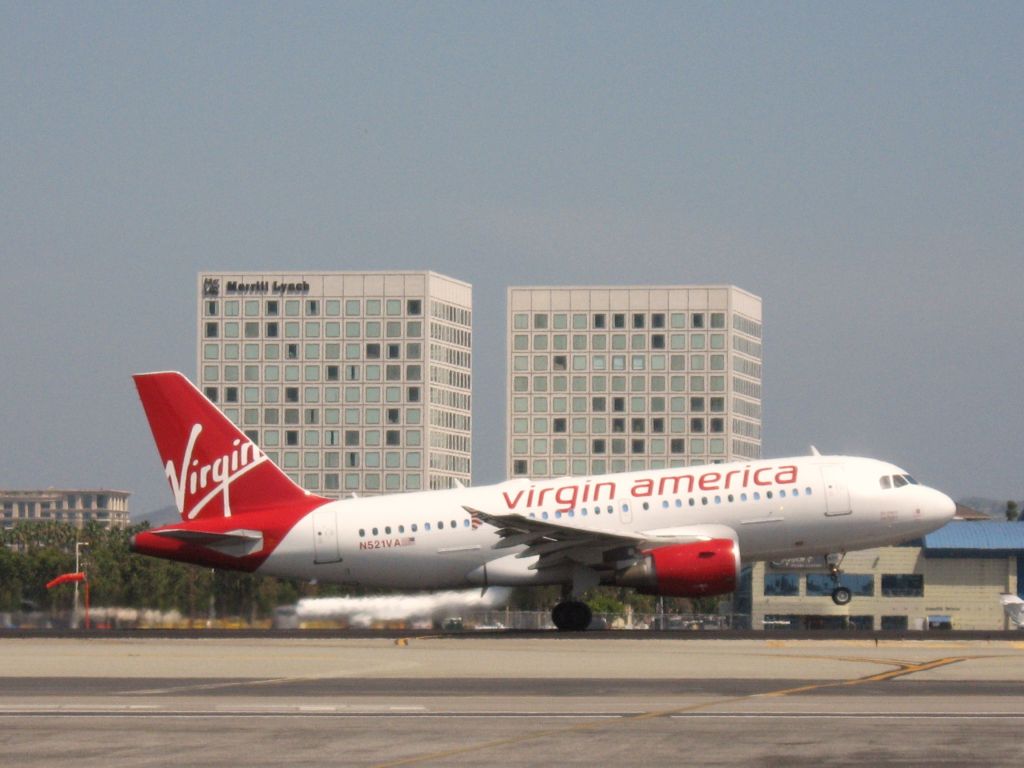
841, 596
571, 616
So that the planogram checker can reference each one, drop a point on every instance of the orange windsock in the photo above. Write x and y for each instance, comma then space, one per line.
64, 578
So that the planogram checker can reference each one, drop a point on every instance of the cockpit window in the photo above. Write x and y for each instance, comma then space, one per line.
895, 481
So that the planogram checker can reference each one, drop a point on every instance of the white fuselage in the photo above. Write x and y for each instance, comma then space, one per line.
779, 508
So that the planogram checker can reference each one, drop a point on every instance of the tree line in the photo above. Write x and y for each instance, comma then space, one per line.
32, 553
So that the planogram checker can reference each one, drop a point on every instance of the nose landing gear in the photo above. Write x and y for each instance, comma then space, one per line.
840, 595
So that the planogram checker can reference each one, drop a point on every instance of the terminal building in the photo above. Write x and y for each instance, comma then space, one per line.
608, 379
352, 382
950, 579
77, 507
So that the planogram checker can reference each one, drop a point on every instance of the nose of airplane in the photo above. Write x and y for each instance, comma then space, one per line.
940, 507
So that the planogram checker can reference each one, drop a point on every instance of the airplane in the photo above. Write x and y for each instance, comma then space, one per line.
1013, 606
682, 532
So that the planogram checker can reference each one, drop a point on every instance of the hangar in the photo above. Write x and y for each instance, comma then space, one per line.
950, 579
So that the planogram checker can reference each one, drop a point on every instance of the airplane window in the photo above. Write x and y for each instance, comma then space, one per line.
718, 499
387, 530
362, 532
910, 480
544, 515
796, 491
572, 513
610, 509
898, 481
440, 525
782, 494
374, 531
703, 499
679, 502
743, 497
807, 491
731, 498
885, 482
693, 501
453, 524
465, 523
533, 516
757, 495
664, 504
646, 506
767, 494
401, 529
625, 507
558, 514
426, 526
414, 528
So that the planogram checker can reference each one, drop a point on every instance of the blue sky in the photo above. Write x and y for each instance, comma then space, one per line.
859, 166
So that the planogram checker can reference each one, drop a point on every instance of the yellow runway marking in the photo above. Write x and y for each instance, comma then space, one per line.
904, 668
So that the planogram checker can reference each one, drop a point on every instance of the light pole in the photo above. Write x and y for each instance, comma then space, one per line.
78, 549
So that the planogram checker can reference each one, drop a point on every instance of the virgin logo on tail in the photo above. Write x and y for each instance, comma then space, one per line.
192, 478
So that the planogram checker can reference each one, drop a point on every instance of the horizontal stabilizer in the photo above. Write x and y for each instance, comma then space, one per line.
237, 543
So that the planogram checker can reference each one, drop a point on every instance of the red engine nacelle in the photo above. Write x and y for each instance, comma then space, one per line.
686, 570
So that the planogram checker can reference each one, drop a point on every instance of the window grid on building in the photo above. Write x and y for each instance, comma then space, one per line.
609, 379
353, 383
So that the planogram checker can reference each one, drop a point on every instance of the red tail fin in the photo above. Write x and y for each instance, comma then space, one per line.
213, 469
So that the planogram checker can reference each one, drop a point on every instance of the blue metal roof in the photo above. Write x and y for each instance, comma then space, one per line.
968, 536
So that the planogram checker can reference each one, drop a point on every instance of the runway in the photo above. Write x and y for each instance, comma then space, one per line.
434, 701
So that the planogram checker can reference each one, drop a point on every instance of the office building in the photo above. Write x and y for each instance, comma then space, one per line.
607, 379
77, 507
352, 382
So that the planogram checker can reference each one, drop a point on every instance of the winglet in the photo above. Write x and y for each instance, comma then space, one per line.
814, 451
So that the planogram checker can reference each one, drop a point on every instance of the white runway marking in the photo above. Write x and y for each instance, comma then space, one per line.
399, 712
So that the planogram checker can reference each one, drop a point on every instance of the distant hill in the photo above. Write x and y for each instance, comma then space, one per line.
991, 507
156, 517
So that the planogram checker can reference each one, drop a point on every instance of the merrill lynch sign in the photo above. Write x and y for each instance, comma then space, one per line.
212, 287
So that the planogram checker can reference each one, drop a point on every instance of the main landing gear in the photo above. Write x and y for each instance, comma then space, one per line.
571, 616
840, 595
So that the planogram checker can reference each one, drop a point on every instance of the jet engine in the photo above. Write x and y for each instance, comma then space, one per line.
685, 570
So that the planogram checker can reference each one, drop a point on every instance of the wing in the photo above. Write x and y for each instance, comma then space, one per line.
557, 544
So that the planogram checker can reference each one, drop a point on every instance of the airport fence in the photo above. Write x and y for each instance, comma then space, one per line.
535, 620
487, 619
